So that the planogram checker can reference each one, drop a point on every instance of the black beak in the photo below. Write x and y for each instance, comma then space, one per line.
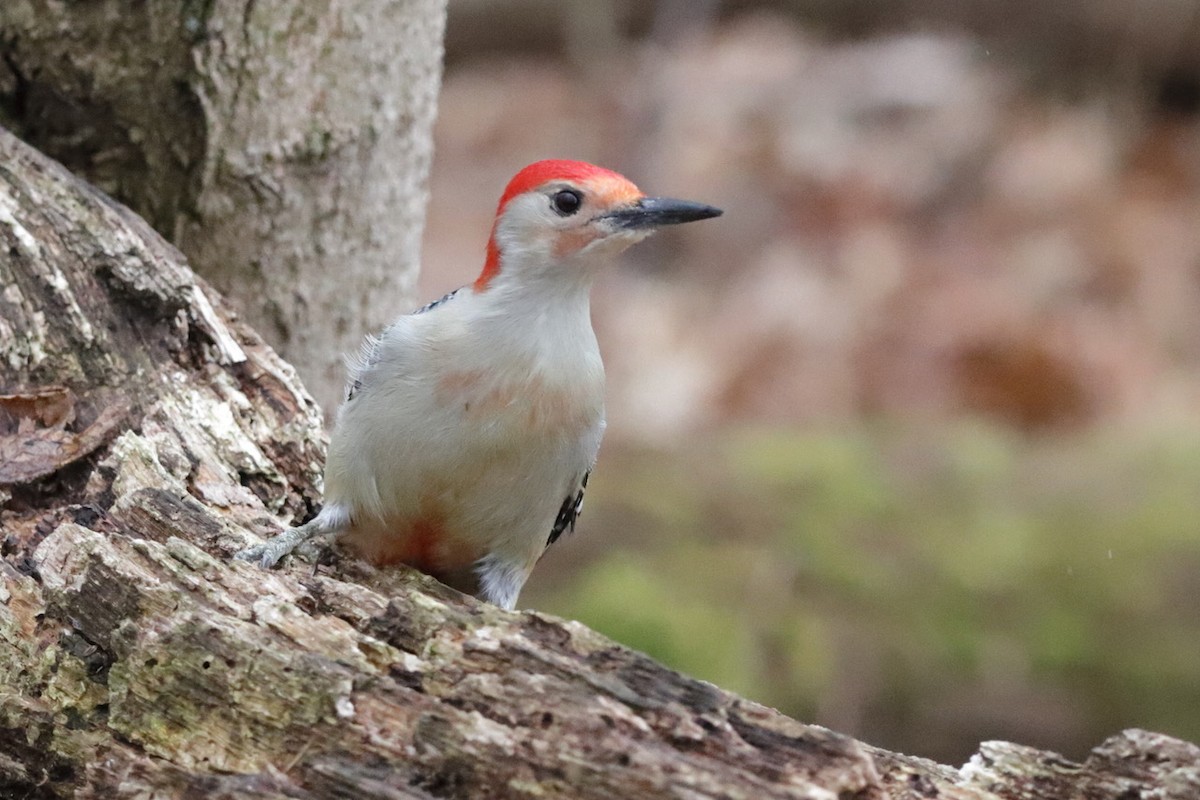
650, 212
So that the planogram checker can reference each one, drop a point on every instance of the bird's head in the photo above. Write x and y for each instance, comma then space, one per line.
560, 216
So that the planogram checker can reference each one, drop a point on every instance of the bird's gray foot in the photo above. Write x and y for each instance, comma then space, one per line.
269, 553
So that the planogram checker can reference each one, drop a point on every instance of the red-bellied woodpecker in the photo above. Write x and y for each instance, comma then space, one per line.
470, 426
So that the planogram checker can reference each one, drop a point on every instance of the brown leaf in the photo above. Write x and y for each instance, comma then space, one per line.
28, 455
48, 407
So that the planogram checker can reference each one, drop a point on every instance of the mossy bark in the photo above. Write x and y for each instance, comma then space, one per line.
283, 147
138, 660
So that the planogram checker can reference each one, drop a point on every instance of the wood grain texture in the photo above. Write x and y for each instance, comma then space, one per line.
137, 660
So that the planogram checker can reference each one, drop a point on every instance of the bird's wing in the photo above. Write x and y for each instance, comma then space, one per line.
438, 302
569, 512
359, 365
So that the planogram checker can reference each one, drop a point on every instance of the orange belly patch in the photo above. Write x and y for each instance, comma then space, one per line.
423, 543
539, 406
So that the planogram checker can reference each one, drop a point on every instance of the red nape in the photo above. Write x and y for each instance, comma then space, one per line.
531, 177
491, 264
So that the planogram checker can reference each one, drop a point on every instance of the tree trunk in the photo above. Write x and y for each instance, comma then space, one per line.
283, 147
145, 434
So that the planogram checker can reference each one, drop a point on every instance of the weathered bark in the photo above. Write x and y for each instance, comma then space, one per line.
153, 435
283, 147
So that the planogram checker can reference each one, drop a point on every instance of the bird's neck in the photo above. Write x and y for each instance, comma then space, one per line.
540, 293
544, 313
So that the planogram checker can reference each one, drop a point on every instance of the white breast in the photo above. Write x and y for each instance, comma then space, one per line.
470, 428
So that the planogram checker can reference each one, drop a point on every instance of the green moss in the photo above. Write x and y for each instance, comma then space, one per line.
174, 694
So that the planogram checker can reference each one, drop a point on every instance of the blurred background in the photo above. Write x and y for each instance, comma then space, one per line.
906, 443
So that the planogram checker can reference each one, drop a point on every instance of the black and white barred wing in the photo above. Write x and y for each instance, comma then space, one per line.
569, 512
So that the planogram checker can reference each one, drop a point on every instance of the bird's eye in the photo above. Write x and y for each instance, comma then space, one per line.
567, 202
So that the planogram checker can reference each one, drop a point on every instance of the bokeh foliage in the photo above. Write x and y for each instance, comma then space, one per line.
924, 587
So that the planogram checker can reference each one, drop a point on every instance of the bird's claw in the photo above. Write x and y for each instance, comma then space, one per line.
270, 552
260, 554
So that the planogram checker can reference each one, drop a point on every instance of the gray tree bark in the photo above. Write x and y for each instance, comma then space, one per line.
146, 434
283, 147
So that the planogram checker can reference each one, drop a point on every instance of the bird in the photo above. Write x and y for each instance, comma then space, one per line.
470, 426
